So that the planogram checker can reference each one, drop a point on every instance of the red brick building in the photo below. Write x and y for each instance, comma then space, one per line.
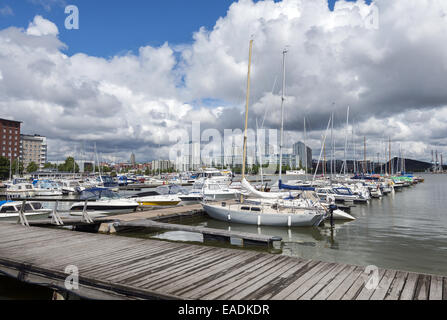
10, 139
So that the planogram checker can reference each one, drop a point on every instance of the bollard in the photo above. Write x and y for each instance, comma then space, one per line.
332, 208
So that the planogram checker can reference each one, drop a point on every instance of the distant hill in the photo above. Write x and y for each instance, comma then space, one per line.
410, 165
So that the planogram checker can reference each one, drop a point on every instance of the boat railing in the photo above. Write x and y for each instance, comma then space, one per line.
55, 217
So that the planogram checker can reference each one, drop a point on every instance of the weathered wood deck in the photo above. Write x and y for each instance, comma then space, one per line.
118, 267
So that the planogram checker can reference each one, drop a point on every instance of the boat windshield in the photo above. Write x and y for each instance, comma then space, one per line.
98, 193
172, 189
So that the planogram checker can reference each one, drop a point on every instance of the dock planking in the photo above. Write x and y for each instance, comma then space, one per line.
113, 267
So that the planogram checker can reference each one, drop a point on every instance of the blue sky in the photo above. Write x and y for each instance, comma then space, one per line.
108, 28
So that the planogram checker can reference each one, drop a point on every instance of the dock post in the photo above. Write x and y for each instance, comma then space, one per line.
55, 218
85, 216
22, 217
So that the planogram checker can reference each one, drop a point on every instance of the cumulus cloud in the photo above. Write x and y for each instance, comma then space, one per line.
392, 77
42, 27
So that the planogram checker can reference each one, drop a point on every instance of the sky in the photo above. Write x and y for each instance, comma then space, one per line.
136, 73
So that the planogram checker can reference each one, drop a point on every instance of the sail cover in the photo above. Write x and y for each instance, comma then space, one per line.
298, 188
266, 195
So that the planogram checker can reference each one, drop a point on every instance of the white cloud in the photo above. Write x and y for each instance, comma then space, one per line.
393, 78
42, 27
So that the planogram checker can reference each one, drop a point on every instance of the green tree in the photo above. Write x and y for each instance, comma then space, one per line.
4, 168
32, 167
68, 165
17, 167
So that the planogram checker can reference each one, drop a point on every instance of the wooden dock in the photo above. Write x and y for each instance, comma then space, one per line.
113, 267
145, 219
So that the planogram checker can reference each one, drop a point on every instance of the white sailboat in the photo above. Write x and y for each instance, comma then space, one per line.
270, 213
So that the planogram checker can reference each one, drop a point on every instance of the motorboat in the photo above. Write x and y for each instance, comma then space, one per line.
341, 194
20, 190
186, 196
107, 182
47, 188
10, 210
71, 187
158, 200
212, 189
103, 200
214, 175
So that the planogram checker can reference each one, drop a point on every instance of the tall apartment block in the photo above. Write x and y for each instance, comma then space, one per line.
10, 139
33, 149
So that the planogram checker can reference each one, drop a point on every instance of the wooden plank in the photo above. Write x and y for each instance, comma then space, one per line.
384, 285
197, 274
410, 287
193, 281
262, 281
356, 287
154, 265
316, 267
165, 278
311, 281
221, 278
365, 293
129, 257
222, 291
436, 288
346, 284
324, 281
334, 284
397, 286
422, 287
282, 282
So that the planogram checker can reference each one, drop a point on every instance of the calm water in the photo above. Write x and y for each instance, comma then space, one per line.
405, 231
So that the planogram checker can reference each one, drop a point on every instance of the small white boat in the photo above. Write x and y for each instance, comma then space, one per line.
107, 202
10, 210
47, 188
20, 190
158, 201
71, 187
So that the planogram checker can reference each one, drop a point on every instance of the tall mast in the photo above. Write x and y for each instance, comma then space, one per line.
282, 111
389, 154
346, 141
305, 145
325, 164
10, 167
244, 156
364, 155
355, 155
332, 146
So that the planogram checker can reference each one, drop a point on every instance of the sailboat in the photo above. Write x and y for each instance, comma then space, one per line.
268, 213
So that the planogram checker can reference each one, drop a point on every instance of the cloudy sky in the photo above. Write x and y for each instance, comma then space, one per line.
137, 73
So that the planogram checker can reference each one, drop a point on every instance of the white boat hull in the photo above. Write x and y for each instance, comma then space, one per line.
263, 219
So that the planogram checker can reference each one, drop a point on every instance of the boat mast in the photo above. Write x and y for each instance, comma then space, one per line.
332, 146
364, 155
282, 111
10, 166
305, 146
346, 141
244, 156
390, 168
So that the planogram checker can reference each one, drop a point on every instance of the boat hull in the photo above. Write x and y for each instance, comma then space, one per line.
260, 219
